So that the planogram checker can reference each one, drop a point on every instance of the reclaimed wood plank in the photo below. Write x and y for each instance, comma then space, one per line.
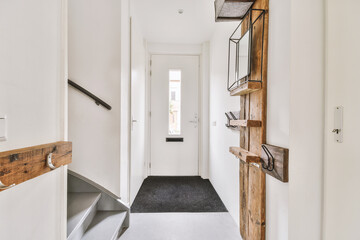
244, 187
245, 123
256, 203
253, 101
246, 88
20, 165
244, 155
281, 162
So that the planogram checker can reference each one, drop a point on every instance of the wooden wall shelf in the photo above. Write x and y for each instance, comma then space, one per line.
245, 123
20, 165
244, 155
246, 88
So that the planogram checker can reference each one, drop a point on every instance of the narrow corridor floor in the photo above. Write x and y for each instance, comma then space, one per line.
181, 226
177, 194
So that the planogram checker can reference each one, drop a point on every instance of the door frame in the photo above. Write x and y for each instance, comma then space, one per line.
148, 112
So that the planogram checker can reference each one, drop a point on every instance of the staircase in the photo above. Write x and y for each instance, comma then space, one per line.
93, 212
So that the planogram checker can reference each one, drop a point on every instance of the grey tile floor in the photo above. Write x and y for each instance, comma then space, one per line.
181, 226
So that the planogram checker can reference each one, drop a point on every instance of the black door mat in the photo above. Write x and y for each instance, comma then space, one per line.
177, 194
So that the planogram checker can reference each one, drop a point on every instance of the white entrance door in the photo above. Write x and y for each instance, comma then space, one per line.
174, 115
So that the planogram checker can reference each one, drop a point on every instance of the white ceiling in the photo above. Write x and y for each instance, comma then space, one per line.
160, 21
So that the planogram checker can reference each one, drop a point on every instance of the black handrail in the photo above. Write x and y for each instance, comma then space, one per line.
98, 101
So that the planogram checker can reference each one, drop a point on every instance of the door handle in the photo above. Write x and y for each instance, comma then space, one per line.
132, 122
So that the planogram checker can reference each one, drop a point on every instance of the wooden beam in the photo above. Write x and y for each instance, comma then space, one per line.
20, 165
244, 155
256, 202
253, 106
246, 88
245, 123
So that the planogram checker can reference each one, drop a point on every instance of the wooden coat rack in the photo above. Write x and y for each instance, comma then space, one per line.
20, 165
252, 126
256, 157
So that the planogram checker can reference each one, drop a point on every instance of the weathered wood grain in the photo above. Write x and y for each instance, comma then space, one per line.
246, 88
253, 106
281, 162
245, 123
244, 187
20, 165
256, 203
245, 155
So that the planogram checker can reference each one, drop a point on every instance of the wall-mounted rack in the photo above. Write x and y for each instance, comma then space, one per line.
247, 78
20, 165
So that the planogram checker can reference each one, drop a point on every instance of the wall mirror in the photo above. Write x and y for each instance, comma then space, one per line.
243, 56
245, 65
239, 54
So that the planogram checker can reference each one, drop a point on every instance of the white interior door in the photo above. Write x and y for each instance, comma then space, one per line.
174, 115
138, 92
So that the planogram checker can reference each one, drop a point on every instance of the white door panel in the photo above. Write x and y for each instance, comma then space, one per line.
174, 158
138, 76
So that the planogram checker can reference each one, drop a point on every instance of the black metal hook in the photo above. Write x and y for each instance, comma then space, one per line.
228, 117
271, 160
233, 116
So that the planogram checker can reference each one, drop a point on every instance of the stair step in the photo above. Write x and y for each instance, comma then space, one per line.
105, 225
81, 211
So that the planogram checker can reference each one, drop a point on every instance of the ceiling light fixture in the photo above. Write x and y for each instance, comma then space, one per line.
181, 11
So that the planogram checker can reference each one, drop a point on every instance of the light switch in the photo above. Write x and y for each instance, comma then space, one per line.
3, 128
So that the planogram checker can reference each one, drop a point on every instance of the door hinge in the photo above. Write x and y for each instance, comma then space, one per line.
149, 165
150, 73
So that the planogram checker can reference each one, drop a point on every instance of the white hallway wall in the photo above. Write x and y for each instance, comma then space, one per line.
32, 94
306, 119
224, 168
341, 189
95, 64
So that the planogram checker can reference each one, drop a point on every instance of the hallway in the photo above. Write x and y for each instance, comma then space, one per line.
179, 120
